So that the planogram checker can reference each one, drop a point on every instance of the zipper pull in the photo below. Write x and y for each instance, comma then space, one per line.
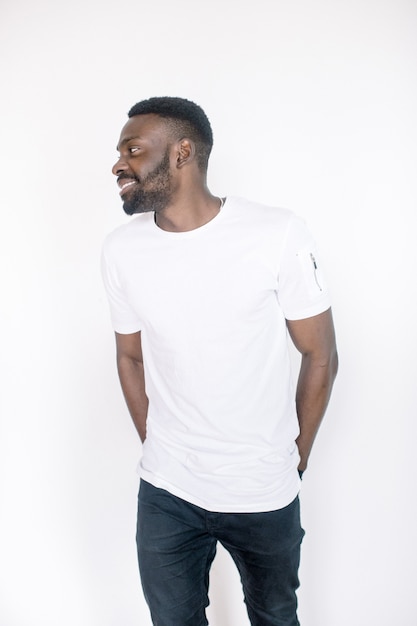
313, 260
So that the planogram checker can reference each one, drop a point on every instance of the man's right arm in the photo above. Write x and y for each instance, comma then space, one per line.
132, 380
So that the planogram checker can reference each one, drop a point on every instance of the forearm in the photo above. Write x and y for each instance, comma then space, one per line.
314, 387
132, 380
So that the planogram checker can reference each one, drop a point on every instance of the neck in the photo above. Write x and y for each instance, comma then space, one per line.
189, 212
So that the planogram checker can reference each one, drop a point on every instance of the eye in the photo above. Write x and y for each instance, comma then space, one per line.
133, 149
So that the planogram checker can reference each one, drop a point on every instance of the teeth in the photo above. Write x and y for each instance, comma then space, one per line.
132, 182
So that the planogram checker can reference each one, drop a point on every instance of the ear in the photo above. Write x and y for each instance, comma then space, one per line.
185, 152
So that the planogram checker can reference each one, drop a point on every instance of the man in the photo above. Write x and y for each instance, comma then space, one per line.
202, 292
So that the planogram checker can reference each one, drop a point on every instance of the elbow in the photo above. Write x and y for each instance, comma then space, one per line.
327, 363
126, 364
334, 364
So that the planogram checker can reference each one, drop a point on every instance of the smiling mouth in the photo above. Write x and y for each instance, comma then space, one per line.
125, 186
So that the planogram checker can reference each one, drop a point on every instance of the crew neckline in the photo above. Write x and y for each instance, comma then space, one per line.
189, 233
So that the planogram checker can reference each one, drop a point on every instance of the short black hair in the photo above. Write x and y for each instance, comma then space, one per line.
186, 119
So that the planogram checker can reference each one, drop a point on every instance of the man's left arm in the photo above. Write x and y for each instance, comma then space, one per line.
314, 338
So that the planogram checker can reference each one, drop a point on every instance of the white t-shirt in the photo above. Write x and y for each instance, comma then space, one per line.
211, 305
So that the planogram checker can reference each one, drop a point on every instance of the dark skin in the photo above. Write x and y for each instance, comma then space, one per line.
314, 338
144, 142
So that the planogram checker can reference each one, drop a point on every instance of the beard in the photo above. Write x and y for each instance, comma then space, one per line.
152, 192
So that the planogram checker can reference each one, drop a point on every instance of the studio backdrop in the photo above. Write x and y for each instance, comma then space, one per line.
313, 108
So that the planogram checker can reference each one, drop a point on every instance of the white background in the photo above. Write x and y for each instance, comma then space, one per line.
313, 105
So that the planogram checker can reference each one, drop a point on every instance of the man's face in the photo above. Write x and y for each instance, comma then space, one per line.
143, 169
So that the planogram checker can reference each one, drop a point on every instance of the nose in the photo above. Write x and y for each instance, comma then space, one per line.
119, 167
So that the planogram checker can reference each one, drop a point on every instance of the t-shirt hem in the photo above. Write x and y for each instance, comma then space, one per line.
308, 312
126, 330
220, 507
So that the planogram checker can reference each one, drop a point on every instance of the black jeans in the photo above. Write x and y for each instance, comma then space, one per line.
177, 544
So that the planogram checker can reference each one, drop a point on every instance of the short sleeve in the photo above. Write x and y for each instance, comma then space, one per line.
123, 317
302, 291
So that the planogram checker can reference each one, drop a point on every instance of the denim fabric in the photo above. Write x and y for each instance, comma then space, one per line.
177, 544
